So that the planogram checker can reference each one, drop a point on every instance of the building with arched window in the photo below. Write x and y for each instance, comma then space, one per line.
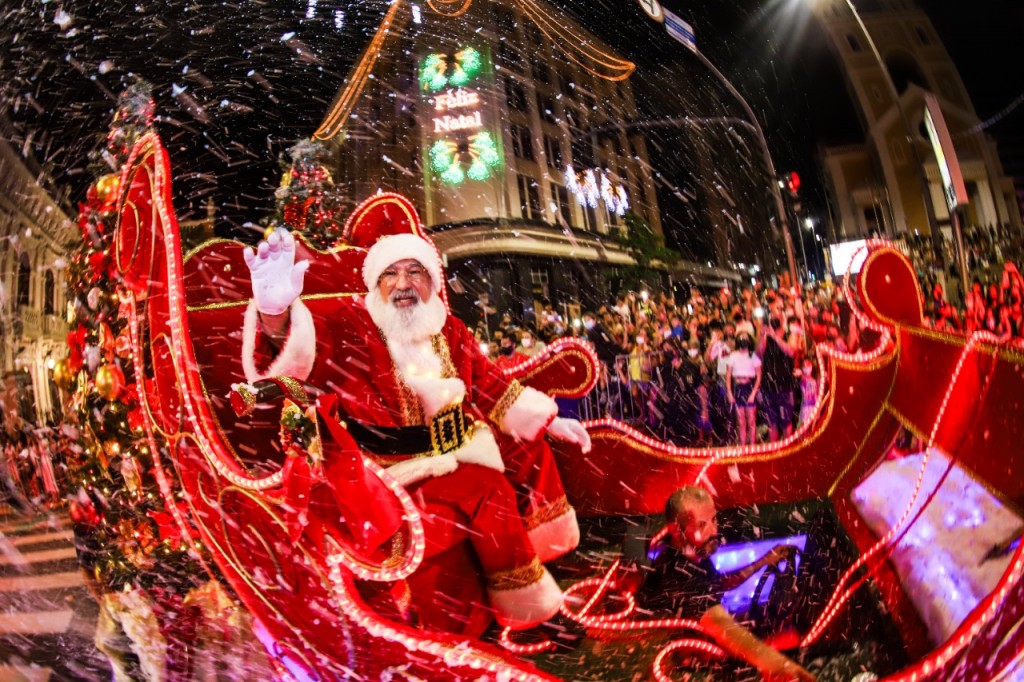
34, 236
878, 186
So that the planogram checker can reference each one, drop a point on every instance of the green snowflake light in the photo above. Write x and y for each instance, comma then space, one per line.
483, 159
432, 75
464, 66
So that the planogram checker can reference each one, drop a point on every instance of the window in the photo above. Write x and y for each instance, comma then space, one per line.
583, 154
541, 72
554, 152
505, 20
854, 43
529, 198
24, 280
539, 281
49, 293
509, 56
515, 95
590, 218
522, 143
561, 196
546, 105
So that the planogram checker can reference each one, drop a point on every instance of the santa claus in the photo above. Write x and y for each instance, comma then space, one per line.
417, 395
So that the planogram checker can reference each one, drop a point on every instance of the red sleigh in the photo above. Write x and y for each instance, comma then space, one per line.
224, 475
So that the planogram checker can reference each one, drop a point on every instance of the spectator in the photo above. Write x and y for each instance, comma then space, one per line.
777, 386
808, 392
742, 381
685, 396
507, 356
528, 345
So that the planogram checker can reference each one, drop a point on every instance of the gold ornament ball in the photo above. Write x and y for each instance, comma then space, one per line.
62, 375
107, 186
109, 381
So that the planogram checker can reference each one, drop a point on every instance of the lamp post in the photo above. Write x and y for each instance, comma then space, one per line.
809, 224
780, 209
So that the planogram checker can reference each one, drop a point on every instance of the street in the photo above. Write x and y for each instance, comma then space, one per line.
47, 616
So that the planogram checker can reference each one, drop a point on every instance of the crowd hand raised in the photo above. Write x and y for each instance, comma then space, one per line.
276, 278
570, 431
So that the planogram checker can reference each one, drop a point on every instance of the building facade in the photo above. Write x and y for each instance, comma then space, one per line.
511, 153
879, 186
35, 233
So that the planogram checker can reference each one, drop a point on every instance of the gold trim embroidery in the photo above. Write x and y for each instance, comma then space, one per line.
442, 351
516, 578
242, 303
546, 513
512, 393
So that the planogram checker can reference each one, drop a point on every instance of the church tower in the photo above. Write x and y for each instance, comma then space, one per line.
879, 185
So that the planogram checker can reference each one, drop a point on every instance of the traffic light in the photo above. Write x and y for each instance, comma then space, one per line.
793, 184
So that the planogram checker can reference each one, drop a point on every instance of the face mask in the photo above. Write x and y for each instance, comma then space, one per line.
588, 324
506, 350
527, 343
808, 370
641, 340
694, 352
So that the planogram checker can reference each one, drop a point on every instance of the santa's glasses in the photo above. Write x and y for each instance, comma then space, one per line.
392, 276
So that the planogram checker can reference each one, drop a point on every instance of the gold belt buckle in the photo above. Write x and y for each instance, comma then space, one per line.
448, 429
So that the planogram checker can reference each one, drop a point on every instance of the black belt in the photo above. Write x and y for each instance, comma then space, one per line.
448, 431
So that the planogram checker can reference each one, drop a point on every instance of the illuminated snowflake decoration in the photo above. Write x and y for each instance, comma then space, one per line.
441, 70
594, 186
483, 158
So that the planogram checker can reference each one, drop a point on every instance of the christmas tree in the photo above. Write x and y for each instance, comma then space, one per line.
127, 540
307, 200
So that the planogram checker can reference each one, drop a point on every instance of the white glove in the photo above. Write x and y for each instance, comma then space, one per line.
276, 277
570, 431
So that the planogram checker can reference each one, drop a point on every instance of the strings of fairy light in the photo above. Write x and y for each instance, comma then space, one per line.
603, 623
574, 44
616, 622
595, 185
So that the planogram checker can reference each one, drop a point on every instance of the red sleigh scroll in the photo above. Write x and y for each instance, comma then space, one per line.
304, 595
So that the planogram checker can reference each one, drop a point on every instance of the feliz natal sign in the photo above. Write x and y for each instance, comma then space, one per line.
465, 150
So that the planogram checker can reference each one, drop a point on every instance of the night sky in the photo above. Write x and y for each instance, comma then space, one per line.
237, 83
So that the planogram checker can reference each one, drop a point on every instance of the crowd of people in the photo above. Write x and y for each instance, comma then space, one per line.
737, 366
993, 300
713, 370
34, 464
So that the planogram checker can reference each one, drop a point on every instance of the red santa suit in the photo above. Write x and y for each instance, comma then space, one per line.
513, 506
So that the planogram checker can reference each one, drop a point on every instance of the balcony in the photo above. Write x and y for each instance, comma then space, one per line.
31, 322
54, 327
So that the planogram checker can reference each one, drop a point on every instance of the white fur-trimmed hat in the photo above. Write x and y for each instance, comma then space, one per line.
390, 249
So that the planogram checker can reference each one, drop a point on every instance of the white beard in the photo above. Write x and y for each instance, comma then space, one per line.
407, 325
407, 332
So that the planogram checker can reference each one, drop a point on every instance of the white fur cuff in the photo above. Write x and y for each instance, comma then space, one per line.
529, 415
556, 537
299, 351
527, 606
481, 449
414, 470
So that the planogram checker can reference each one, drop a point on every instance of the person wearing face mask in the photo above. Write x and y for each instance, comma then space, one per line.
530, 346
684, 583
743, 381
601, 339
685, 397
507, 356
716, 357
808, 391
